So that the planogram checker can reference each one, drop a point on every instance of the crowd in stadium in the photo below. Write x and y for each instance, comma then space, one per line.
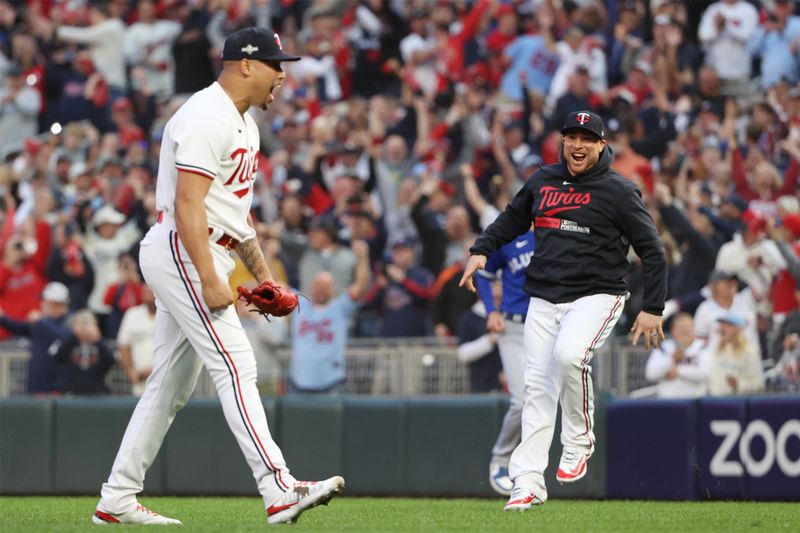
406, 125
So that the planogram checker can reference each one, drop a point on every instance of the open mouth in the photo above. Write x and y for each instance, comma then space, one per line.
271, 93
578, 157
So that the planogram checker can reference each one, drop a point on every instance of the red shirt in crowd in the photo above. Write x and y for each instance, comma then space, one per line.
123, 296
496, 41
784, 285
21, 286
20, 292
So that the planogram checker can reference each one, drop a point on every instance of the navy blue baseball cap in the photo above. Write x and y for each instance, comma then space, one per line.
262, 44
737, 201
404, 241
584, 120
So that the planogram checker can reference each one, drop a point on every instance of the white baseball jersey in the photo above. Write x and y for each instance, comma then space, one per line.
207, 136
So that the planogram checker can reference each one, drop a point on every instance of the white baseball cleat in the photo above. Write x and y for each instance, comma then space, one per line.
499, 480
572, 466
303, 496
522, 499
140, 515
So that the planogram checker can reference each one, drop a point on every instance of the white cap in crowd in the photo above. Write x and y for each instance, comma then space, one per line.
56, 292
108, 215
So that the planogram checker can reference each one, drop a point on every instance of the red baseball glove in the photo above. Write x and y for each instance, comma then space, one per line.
269, 298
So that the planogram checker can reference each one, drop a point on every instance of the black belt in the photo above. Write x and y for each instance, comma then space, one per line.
513, 317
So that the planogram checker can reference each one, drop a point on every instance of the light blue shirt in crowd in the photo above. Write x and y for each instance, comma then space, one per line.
528, 53
319, 342
777, 60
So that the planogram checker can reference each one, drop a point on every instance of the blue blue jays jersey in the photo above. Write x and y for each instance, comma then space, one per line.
511, 261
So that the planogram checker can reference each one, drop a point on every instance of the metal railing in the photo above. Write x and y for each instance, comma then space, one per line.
382, 366
408, 366
377, 366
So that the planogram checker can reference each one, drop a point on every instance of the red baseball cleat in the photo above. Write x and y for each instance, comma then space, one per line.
522, 499
572, 466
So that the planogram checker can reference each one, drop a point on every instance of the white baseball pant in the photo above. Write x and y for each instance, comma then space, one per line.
187, 336
560, 340
512, 353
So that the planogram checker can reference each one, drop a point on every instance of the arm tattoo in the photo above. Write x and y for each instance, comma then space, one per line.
250, 253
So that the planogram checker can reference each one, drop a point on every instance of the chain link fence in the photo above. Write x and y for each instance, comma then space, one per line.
408, 366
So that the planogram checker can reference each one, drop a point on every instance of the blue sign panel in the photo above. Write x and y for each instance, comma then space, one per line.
651, 449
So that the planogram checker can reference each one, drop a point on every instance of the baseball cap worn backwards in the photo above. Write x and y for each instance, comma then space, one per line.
584, 120
255, 43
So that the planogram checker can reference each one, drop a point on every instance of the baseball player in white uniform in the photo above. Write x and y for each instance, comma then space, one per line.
585, 218
204, 192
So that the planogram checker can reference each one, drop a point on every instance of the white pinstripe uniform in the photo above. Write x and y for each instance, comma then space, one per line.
560, 341
207, 137
585, 221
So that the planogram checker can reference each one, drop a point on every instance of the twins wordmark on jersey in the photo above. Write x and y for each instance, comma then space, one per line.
236, 169
241, 164
246, 160
555, 200
321, 328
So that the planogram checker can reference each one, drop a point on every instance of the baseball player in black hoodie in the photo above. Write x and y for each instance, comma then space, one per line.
585, 217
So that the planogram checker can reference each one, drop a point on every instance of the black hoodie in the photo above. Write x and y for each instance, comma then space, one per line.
583, 226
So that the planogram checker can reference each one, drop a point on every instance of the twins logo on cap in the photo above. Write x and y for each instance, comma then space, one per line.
278, 40
584, 120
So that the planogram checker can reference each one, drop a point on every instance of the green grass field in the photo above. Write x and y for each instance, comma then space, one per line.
33, 514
